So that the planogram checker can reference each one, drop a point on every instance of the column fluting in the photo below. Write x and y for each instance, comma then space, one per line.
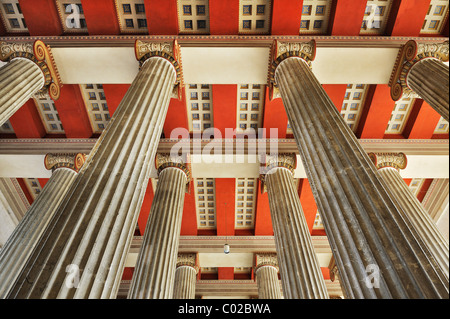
376, 251
429, 78
83, 250
154, 273
300, 272
266, 270
19, 245
388, 165
20, 79
185, 276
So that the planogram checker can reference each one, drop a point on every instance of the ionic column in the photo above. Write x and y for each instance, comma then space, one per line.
29, 70
185, 276
25, 236
388, 165
266, 270
82, 252
300, 272
377, 253
154, 274
419, 71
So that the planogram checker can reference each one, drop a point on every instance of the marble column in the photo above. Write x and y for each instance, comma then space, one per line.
82, 252
25, 236
266, 270
300, 272
154, 274
388, 165
420, 72
27, 72
185, 276
377, 253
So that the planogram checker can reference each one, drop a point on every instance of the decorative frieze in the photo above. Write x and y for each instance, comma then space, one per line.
395, 160
283, 50
73, 161
411, 53
167, 50
40, 54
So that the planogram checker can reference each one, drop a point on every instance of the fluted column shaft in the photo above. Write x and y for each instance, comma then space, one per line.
19, 80
421, 220
364, 227
25, 236
184, 285
300, 272
83, 250
154, 274
429, 78
268, 283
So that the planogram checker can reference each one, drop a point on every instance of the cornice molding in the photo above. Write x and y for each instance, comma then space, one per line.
239, 244
221, 40
49, 145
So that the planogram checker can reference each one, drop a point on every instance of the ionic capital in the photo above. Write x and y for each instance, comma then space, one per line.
410, 54
167, 50
73, 161
272, 161
41, 55
266, 259
283, 50
188, 259
165, 160
394, 160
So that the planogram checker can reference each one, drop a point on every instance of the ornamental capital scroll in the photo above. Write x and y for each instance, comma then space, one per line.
165, 160
167, 50
409, 54
283, 50
266, 259
73, 161
394, 160
189, 260
42, 56
271, 161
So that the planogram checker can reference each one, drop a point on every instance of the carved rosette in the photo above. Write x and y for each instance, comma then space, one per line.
395, 160
164, 160
68, 160
266, 259
411, 53
188, 259
167, 50
271, 161
284, 50
40, 54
